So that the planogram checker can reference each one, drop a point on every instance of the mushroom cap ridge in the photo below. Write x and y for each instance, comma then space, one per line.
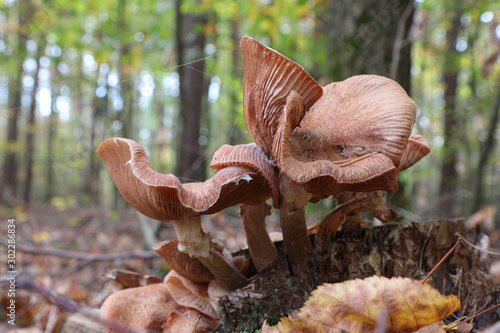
163, 197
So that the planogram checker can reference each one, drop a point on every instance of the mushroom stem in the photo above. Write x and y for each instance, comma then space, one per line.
223, 270
198, 244
259, 243
373, 201
293, 225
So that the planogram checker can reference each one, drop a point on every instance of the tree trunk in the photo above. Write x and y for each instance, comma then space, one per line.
49, 162
190, 41
485, 154
93, 183
8, 188
126, 114
236, 135
448, 187
30, 129
368, 37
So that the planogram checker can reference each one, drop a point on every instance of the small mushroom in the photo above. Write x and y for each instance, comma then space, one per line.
164, 198
142, 308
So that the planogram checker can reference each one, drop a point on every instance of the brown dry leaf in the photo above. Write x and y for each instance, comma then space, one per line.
357, 306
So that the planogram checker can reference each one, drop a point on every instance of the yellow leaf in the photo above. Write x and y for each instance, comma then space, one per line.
41, 237
404, 305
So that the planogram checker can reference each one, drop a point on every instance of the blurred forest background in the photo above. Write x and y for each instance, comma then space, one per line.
169, 75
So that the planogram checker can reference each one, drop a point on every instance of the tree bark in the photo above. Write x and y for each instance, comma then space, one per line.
8, 188
362, 38
30, 129
52, 129
448, 187
190, 42
486, 149
126, 114
92, 183
236, 135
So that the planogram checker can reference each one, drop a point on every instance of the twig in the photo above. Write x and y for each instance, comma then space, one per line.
424, 281
84, 255
477, 247
454, 325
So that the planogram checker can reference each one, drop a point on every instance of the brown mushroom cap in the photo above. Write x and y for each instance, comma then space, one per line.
141, 308
251, 156
365, 115
416, 149
360, 115
163, 197
190, 294
269, 78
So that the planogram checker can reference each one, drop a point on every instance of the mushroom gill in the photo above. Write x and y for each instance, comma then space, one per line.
190, 294
269, 78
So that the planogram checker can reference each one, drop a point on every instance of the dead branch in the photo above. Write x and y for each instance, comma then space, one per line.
84, 255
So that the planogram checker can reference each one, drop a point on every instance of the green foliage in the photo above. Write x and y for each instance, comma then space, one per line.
133, 41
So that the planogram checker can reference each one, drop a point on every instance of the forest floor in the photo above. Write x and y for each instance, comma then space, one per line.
65, 232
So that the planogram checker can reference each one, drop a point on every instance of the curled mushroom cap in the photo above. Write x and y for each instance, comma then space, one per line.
163, 197
250, 156
352, 139
269, 78
416, 149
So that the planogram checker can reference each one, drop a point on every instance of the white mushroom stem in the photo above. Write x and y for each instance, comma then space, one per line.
293, 225
259, 243
198, 244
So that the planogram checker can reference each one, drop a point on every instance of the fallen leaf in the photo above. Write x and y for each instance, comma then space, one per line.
357, 306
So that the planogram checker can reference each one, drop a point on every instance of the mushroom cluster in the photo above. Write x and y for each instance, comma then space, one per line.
186, 301
310, 142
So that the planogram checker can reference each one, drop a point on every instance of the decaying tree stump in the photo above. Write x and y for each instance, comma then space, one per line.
392, 250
